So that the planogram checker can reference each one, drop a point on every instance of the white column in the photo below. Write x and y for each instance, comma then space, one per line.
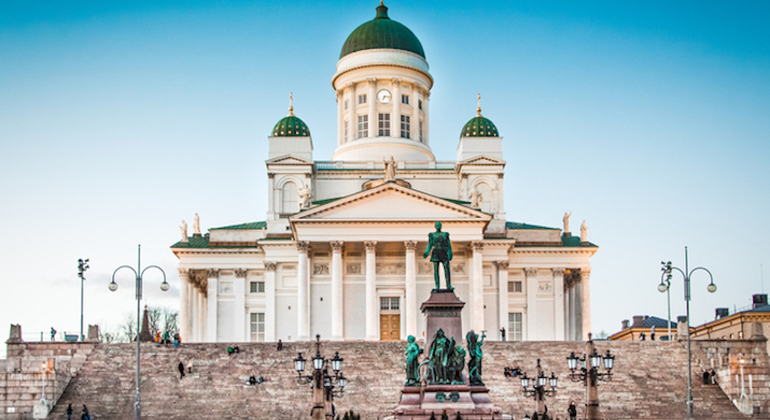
413, 100
502, 293
337, 293
585, 301
303, 293
558, 303
372, 101
411, 289
184, 303
477, 287
269, 301
211, 310
426, 125
340, 119
531, 276
239, 324
371, 291
192, 310
571, 333
352, 111
201, 319
396, 126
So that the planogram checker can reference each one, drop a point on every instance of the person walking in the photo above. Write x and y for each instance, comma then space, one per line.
86, 415
181, 370
69, 412
572, 410
189, 365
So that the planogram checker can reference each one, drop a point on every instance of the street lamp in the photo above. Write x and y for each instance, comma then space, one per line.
44, 369
539, 390
138, 273
322, 383
590, 374
82, 267
667, 270
665, 286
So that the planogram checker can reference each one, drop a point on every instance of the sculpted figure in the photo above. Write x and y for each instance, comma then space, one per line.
475, 354
197, 225
583, 232
304, 197
565, 219
183, 229
390, 169
456, 364
475, 197
442, 253
438, 356
412, 353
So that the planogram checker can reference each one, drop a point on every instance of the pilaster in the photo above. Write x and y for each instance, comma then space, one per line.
414, 102
211, 311
269, 301
531, 276
558, 304
396, 126
371, 291
337, 292
303, 292
502, 293
477, 287
184, 303
372, 101
411, 289
239, 288
585, 302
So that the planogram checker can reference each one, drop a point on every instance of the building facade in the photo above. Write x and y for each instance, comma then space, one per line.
340, 252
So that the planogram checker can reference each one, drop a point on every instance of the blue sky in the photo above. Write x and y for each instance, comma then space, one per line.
119, 119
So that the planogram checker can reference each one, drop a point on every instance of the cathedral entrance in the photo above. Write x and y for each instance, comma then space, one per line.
390, 319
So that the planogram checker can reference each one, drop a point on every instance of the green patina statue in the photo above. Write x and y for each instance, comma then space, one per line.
438, 358
412, 352
442, 253
475, 354
456, 364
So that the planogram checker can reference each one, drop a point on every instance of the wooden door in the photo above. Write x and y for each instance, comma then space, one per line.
390, 327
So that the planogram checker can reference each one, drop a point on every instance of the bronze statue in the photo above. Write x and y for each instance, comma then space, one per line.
475, 354
438, 357
456, 364
442, 253
412, 352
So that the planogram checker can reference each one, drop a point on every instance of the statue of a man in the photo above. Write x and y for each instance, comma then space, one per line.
438, 356
183, 229
584, 232
412, 353
197, 225
304, 197
390, 169
565, 219
442, 253
475, 354
475, 198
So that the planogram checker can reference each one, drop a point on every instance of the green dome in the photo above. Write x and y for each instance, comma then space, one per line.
382, 32
291, 126
479, 126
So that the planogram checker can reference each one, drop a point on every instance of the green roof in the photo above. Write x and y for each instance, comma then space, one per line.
252, 225
574, 241
193, 242
479, 126
291, 126
382, 32
517, 225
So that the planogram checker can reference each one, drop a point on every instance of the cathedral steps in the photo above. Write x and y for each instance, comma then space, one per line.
648, 381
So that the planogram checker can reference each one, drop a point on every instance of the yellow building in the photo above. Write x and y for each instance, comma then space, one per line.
649, 327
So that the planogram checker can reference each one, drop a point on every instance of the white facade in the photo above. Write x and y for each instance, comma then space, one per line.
348, 264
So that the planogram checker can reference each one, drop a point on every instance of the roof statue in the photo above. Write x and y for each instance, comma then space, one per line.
197, 225
183, 229
584, 232
475, 197
565, 219
390, 169
304, 196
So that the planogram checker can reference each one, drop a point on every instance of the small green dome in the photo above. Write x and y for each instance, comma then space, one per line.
291, 126
382, 32
479, 126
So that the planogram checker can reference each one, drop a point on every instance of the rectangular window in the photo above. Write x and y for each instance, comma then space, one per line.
257, 326
405, 99
361, 99
514, 326
514, 287
389, 304
345, 136
363, 126
421, 140
405, 126
419, 103
346, 104
384, 125
257, 287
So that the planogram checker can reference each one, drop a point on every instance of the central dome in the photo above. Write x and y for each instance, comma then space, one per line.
382, 32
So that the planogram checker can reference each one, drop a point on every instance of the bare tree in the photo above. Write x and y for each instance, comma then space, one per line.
128, 328
160, 319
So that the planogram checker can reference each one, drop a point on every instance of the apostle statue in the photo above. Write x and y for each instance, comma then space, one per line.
438, 357
475, 354
456, 364
565, 219
183, 229
390, 169
412, 353
475, 197
584, 232
304, 197
197, 225
442, 253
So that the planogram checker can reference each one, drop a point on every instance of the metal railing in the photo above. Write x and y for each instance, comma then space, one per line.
372, 165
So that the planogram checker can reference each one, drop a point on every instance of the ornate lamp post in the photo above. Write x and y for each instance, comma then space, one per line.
322, 383
590, 376
667, 270
539, 390
44, 369
138, 274
82, 267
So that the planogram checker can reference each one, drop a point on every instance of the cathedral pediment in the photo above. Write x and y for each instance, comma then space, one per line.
482, 160
288, 160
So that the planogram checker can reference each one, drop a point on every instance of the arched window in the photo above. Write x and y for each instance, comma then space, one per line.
289, 198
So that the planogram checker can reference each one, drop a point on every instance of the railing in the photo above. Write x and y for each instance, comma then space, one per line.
45, 336
372, 165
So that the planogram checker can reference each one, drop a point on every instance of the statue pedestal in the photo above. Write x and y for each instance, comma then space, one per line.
442, 310
418, 403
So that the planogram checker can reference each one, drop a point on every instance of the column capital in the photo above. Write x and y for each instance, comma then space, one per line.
270, 175
585, 273
502, 264
212, 273
477, 245
184, 272
396, 81
337, 246
240, 273
270, 265
302, 246
558, 272
370, 246
410, 245
372, 81
530, 272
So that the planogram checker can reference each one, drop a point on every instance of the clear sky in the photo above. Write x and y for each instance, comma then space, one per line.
119, 119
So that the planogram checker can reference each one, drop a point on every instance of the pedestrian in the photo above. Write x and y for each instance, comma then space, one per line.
252, 380
713, 376
706, 378
641, 336
166, 338
86, 415
572, 410
502, 333
230, 350
157, 338
53, 334
177, 340
280, 345
189, 365
652, 333
237, 349
181, 370
69, 412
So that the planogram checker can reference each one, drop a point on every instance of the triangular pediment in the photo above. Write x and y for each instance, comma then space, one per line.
391, 202
288, 160
482, 160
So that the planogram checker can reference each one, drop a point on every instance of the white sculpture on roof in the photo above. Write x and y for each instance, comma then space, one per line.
196, 225
475, 196
583, 232
183, 229
390, 169
304, 197
565, 219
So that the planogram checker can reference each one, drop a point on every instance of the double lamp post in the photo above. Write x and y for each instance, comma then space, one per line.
322, 383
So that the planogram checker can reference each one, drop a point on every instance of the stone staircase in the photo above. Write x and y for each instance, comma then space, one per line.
648, 381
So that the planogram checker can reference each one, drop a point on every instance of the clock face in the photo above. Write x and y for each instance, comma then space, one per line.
383, 96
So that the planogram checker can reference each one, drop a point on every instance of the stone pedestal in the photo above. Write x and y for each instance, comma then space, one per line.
442, 310
40, 410
418, 403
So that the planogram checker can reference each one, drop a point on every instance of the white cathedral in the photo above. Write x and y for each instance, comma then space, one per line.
340, 253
